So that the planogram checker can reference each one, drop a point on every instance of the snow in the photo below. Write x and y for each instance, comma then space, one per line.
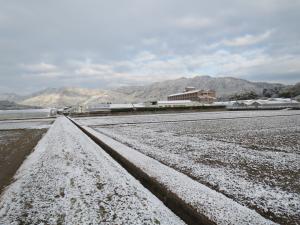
175, 102
227, 103
121, 106
269, 101
251, 157
68, 179
6, 136
187, 92
26, 124
177, 117
215, 206
25, 113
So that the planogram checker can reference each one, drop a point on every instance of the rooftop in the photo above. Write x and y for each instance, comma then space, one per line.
188, 92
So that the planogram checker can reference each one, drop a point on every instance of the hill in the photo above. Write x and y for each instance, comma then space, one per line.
224, 87
8, 105
12, 97
68, 96
60, 97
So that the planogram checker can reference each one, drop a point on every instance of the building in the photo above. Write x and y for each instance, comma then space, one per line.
193, 94
271, 103
178, 103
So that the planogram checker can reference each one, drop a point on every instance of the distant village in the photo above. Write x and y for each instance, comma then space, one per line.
190, 98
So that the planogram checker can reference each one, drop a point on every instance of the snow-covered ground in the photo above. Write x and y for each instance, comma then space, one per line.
157, 118
15, 145
69, 179
251, 157
207, 203
17, 140
8, 135
26, 124
25, 113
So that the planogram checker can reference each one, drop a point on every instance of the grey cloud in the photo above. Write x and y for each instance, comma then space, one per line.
287, 78
120, 37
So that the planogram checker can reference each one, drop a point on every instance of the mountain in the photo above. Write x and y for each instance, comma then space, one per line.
60, 97
10, 97
224, 87
290, 91
8, 105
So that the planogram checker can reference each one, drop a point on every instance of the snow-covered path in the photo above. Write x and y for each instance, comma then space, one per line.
69, 179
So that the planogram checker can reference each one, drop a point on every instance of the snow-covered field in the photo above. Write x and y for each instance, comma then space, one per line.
209, 206
17, 140
69, 179
156, 118
26, 124
24, 113
251, 157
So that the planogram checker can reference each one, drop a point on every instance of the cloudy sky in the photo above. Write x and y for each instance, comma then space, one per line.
106, 44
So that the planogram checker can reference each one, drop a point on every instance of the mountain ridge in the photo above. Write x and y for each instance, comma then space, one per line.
67, 96
224, 86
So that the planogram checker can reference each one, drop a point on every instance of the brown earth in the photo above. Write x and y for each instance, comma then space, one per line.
15, 145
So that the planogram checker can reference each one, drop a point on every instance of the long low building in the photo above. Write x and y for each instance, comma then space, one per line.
271, 103
190, 93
